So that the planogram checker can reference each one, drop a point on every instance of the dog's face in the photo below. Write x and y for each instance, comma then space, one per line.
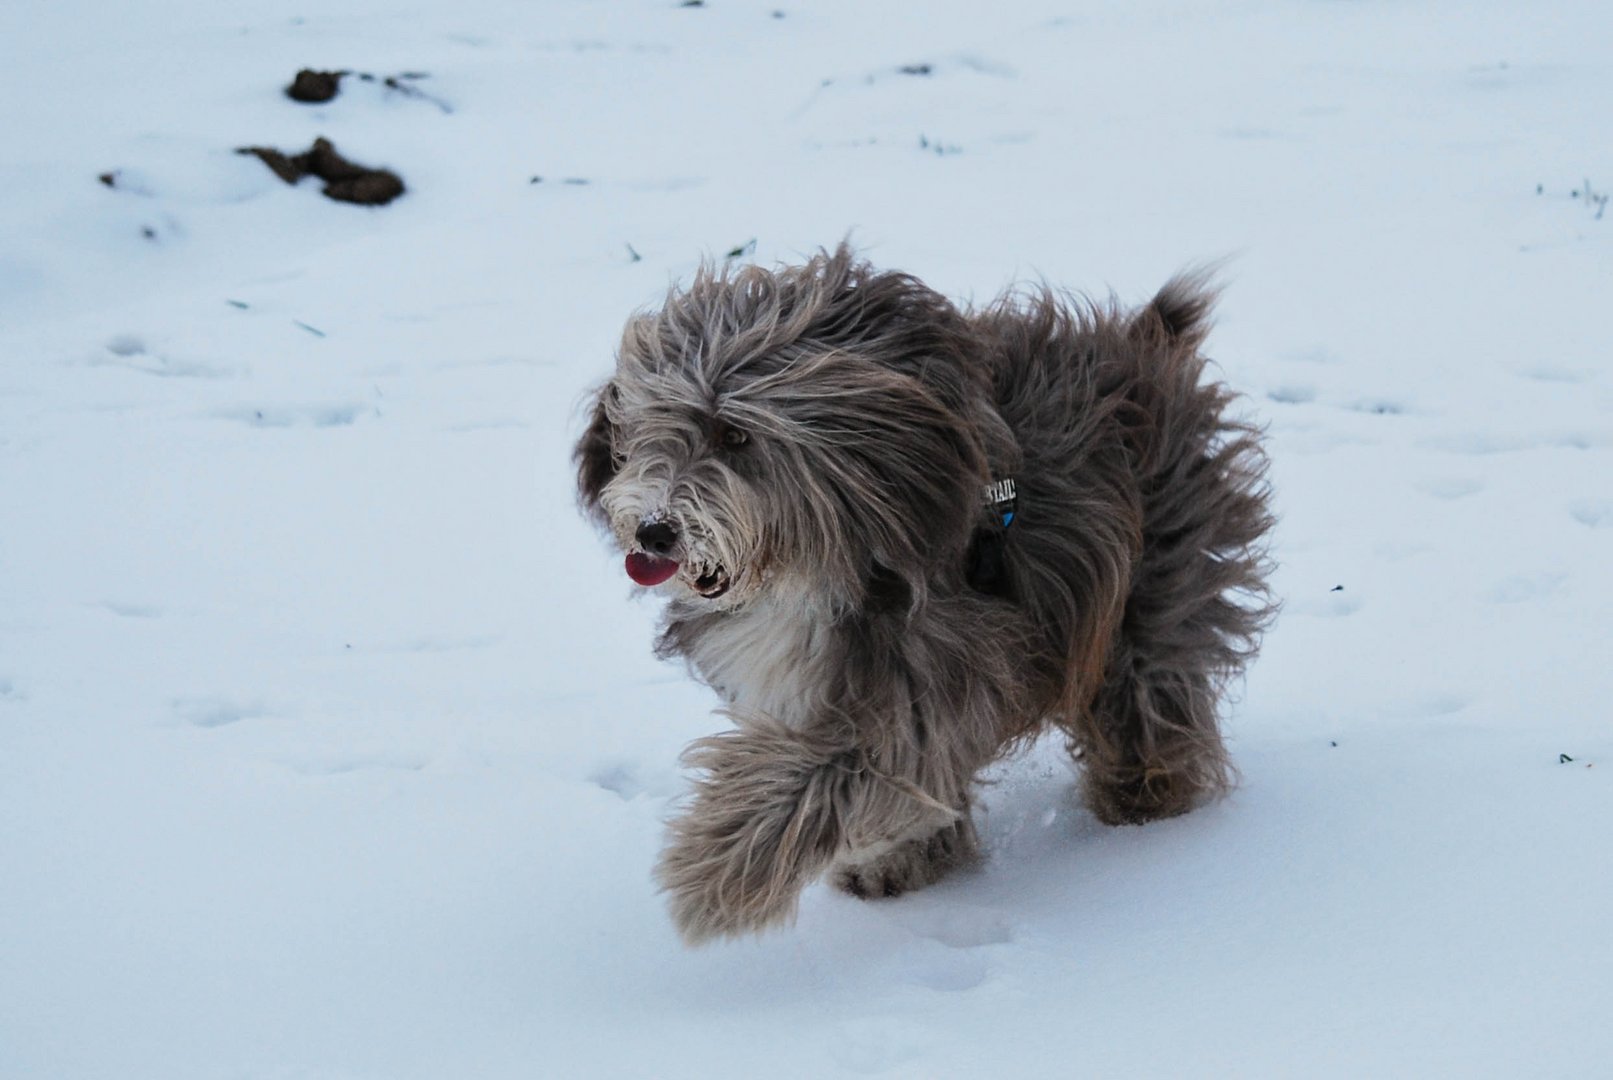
804, 425
669, 469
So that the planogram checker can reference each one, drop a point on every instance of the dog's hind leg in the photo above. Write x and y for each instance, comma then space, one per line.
1151, 742
1152, 748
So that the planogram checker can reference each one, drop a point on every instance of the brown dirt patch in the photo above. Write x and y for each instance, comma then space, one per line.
345, 181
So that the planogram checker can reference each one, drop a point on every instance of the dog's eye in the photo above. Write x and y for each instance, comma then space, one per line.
734, 438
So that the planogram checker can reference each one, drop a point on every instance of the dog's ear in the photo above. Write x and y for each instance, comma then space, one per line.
595, 455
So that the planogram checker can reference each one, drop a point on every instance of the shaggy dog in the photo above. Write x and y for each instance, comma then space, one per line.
898, 538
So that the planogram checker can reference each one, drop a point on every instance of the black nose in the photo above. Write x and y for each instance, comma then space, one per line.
658, 538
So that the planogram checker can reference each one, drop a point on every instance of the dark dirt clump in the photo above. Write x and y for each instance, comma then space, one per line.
313, 87
316, 87
344, 180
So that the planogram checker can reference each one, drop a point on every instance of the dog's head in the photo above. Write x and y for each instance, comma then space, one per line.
811, 425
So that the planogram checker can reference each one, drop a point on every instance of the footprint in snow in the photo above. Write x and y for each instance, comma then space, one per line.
1593, 513
132, 611
628, 782
618, 780
294, 416
1377, 407
1519, 589
945, 953
215, 712
950, 972
1292, 394
126, 345
1316, 355
1452, 487
964, 929
1549, 374
131, 352
340, 764
1483, 443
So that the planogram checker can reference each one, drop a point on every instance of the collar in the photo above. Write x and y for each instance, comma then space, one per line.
1002, 499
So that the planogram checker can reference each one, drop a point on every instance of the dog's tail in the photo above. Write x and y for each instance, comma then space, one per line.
1179, 314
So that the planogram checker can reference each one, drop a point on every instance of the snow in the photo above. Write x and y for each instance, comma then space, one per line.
331, 745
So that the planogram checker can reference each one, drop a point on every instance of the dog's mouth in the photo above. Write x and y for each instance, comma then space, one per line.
713, 583
651, 570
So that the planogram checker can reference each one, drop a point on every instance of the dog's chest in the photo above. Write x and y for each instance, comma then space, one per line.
764, 659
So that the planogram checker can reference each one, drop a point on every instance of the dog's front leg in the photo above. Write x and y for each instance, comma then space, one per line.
774, 808
766, 819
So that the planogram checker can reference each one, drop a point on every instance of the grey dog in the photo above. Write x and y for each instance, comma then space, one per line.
898, 538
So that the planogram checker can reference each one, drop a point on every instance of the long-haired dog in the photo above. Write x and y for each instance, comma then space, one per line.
898, 537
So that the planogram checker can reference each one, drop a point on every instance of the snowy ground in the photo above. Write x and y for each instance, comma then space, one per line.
330, 742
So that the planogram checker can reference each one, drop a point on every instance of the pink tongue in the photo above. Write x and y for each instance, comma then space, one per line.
648, 570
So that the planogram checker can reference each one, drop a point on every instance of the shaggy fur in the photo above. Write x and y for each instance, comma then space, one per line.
812, 445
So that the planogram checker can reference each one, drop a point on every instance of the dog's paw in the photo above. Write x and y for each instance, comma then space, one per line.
875, 881
909, 866
1139, 799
